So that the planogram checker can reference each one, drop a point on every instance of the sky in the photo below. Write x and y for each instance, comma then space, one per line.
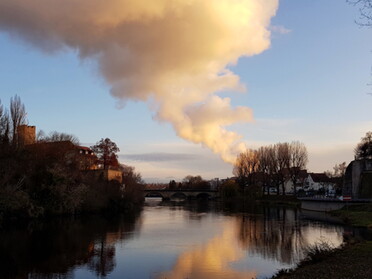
182, 86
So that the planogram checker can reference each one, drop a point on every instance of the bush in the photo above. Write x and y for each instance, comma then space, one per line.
318, 252
229, 189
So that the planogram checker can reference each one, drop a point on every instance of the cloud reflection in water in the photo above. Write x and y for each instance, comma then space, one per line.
212, 260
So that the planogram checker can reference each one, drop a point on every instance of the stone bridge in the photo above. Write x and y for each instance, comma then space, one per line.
167, 194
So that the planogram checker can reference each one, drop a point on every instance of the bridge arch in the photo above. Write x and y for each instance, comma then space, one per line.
179, 195
203, 196
154, 195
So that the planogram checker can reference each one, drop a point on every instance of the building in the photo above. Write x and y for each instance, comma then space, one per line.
80, 157
85, 158
288, 184
214, 183
318, 181
105, 174
26, 135
358, 179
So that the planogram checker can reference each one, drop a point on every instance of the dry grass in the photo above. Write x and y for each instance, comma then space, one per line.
353, 261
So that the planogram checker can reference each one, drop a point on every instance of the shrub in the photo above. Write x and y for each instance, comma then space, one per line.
318, 252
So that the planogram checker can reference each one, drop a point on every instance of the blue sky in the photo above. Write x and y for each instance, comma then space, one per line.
310, 85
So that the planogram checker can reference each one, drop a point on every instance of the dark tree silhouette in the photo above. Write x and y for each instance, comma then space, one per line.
4, 125
56, 136
245, 166
297, 162
364, 149
271, 165
106, 151
172, 184
17, 116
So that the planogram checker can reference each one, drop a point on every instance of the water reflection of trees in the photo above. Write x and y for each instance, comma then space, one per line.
278, 234
275, 234
53, 249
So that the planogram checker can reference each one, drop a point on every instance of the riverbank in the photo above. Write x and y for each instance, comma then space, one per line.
354, 260
356, 215
289, 200
115, 211
350, 261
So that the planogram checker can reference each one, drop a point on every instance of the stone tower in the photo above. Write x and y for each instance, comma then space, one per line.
26, 134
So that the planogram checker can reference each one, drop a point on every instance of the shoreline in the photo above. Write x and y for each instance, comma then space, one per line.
351, 260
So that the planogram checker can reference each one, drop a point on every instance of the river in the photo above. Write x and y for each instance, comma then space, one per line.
165, 240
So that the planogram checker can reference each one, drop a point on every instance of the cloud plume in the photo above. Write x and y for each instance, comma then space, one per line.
174, 54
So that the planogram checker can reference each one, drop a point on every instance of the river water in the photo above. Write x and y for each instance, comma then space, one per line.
165, 240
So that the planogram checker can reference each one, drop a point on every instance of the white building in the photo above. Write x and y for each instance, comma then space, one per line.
318, 181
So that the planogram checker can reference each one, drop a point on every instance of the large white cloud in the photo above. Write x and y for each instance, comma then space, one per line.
174, 53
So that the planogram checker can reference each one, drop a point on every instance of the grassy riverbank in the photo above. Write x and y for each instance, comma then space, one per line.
356, 215
351, 261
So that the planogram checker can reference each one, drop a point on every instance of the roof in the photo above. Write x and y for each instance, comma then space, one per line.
53, 144
58, 146
320, 177
83, 148
302, 174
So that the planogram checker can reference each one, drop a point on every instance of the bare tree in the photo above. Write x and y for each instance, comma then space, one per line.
17, 115
278, 161
365, 10
283, 157
2, 122
40, 136
298, 158
245, 166
337, 175
57, 136
338, 170
273, 167
1, 113
263, 155
4, 125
